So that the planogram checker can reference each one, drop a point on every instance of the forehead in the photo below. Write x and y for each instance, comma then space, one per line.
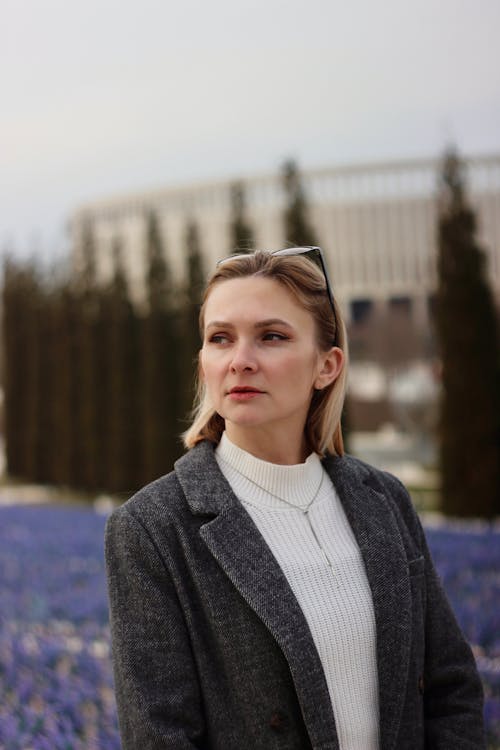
254, 297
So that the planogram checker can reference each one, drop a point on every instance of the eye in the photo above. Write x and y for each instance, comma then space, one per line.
274, 336
218, 338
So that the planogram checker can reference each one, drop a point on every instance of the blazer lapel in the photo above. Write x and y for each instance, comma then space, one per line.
237, 545
382, 549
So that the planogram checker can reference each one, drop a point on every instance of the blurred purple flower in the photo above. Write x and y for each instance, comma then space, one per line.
55, 668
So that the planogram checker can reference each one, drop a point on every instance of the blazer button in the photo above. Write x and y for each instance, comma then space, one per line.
421, 685
278, 721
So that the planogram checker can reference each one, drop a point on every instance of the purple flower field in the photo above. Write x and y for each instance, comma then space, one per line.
55, 669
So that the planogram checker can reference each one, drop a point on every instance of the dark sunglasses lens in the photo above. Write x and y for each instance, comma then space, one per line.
314, 255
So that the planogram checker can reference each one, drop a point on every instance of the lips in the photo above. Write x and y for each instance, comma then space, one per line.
244, 389
241, 393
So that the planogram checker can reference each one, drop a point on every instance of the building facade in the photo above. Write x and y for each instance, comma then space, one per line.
377, 224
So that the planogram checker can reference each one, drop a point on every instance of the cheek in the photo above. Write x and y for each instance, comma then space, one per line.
298, 370
209, 370
204, 369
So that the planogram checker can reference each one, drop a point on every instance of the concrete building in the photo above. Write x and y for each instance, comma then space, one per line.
376, 223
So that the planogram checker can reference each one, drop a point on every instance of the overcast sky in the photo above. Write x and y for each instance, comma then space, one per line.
104, 97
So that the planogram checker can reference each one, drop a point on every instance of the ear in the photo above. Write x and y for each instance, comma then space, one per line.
330, 366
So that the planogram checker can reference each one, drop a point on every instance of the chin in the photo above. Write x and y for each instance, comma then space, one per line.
245, 421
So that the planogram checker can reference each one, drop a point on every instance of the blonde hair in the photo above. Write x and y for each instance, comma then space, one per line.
305, 281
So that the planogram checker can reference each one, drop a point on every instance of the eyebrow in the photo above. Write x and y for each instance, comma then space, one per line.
260, 324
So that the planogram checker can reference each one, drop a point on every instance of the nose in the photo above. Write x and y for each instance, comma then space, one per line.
243, 359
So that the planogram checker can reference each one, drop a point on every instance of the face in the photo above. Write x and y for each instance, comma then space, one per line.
260, 361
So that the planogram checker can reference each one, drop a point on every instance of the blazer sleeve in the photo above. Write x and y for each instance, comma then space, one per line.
452, 689
156, 686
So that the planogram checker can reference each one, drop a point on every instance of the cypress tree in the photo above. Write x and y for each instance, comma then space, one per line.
160, 360
195, 267
29, 360
241, 233
17, 319
47, 394
102, 370
468, 341
89, 437
11, 340
40, 391
297, 227
63, 370
195, 278
159, 288
33, 303
123, 455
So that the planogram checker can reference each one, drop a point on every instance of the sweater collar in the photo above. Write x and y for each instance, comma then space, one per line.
262, 483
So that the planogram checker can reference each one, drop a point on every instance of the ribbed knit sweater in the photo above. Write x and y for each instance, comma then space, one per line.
321, 560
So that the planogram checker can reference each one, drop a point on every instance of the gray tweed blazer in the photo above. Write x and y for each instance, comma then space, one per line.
211, 649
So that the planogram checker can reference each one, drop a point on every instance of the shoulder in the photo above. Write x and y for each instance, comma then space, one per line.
170, 498
163, 518
349, 472
160, 496
351, 469
156, 504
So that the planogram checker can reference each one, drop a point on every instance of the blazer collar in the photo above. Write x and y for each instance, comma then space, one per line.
205, 487
239, 548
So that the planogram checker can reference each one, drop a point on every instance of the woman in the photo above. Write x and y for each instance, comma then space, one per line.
272, 592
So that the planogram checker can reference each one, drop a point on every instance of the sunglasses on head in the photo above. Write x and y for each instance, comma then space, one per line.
315, 254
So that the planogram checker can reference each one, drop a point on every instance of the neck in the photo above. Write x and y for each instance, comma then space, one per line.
265, 446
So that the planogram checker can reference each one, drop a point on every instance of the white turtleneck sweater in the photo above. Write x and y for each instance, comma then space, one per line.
321, 560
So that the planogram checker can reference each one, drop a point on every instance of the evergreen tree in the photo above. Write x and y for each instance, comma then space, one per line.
86, 282
195, 279
102, 375
64, 389
468, 340
34, 305
195, 269
159, 287
122, 361
40, 368
46, 389
296, 225
90, 439
241, 234
18, 290
160, 361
